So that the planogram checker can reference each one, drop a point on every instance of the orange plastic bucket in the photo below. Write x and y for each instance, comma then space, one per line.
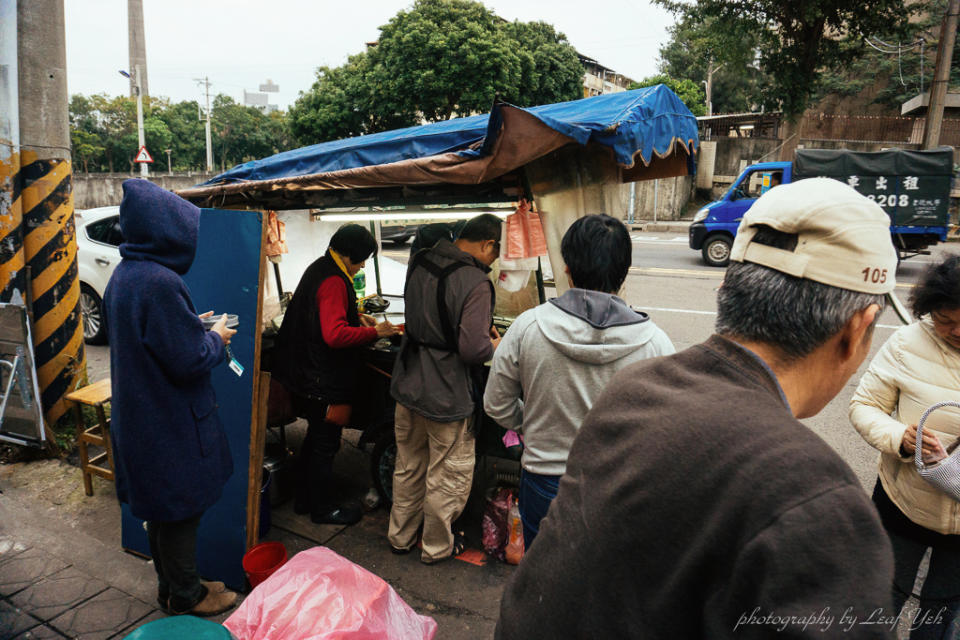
262, 560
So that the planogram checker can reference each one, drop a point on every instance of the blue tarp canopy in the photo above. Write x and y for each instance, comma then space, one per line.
643, 124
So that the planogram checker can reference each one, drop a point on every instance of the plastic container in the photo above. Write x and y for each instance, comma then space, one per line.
233, 321
179, 627
360, 283
262, 560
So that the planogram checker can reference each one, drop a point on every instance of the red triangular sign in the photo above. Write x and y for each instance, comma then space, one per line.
143, 156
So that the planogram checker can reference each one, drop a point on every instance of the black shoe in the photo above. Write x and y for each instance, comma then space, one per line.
342, 514
301, 507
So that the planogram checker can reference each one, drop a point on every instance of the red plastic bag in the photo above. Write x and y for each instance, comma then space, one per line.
496, 522
319, 595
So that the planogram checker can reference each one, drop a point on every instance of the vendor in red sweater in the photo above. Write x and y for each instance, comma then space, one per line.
316, 361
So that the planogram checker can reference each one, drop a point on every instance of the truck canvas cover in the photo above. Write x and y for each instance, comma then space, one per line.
913, 187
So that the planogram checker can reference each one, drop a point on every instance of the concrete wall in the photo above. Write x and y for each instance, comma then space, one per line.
730, 151
103, 189
663, 199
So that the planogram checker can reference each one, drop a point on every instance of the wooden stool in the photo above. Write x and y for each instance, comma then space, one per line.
94, 395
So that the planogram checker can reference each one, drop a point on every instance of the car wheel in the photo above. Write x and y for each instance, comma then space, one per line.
382, 462
91, 312
716, 251
402, 240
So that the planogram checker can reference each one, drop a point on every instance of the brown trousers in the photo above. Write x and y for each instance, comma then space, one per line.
431, 482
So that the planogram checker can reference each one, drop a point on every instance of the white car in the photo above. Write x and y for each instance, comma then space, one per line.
98, 254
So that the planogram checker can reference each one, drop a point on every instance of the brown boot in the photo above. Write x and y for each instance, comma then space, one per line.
214, 604
214, 587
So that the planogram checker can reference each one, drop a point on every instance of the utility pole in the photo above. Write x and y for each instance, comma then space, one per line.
708, 84
137, 42
46, 233
205, 83
141, 139
941, 76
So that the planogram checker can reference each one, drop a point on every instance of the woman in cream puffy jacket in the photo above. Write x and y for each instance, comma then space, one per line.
918, 366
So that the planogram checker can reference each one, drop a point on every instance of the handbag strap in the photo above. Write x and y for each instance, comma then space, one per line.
918, 454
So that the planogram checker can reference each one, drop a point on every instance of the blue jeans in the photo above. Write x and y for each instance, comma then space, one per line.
536, 493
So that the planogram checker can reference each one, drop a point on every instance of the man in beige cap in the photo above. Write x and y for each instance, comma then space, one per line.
695, 504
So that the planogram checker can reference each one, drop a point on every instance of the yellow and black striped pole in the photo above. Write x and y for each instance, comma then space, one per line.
50, 250
45, 209
12, 275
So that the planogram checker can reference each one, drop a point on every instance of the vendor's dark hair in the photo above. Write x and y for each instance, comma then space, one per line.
354, 241
597, 250
938, 288
482, 228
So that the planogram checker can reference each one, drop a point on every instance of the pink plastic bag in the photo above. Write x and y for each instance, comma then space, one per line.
525, 238
496, 522
319, 595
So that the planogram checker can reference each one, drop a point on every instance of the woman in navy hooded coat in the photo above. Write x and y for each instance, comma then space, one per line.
170, 448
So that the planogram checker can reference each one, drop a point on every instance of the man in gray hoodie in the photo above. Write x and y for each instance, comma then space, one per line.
557, 358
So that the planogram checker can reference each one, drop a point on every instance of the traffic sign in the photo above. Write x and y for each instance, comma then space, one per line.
143, 156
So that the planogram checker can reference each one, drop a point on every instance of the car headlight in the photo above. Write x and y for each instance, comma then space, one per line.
701, 215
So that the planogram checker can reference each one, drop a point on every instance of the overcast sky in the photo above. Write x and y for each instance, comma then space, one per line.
239, 44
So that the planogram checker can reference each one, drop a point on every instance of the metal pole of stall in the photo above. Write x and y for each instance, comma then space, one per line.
656, 183
375, 230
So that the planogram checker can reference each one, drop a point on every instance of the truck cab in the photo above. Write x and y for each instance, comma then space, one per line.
912, 187
715, 225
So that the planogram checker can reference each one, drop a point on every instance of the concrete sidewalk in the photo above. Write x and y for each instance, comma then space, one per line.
57, 579
64, 574
57, 583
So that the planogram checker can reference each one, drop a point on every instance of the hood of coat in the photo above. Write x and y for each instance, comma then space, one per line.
593, 327
158, 226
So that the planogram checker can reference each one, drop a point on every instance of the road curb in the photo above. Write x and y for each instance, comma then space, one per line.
674, 226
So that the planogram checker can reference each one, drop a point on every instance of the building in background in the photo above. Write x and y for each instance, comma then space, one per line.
598, 79
260, 99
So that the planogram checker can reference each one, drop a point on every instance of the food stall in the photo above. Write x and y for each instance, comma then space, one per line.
570, 159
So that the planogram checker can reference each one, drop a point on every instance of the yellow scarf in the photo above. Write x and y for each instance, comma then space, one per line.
336, 258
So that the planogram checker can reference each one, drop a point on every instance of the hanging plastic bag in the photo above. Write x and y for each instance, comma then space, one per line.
319, 595
495, 522
525, 237
514, 550
276, 236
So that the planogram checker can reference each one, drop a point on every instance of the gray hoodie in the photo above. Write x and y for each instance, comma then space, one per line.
555, 360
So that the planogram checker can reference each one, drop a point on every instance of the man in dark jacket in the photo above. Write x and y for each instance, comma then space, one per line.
448, 309
695, 504
317, 360
170, 450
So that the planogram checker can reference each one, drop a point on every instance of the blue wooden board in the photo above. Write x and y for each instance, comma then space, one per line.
224, 277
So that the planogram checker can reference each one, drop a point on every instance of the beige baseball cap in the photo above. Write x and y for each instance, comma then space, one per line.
843, 238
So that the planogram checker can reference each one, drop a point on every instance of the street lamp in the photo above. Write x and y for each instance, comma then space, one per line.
144, 170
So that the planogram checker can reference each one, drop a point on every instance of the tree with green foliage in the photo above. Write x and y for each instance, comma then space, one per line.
688, 91
796, 41
188, 149
240, 133
434, 61
696, 48
890, 64
103, 131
